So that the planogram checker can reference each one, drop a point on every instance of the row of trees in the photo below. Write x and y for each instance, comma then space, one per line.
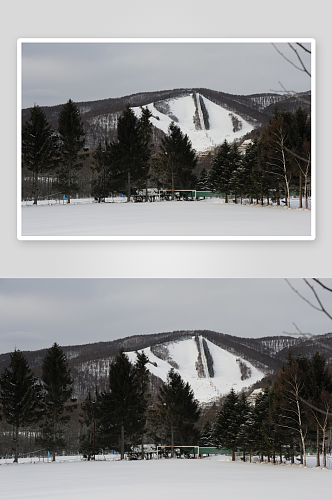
27, 401
116, 419
287, 417
270, 166
280, 160
128, 164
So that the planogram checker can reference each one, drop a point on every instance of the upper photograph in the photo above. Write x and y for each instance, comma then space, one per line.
166, 139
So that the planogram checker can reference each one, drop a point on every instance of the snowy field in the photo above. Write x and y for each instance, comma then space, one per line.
209, 219
162, 479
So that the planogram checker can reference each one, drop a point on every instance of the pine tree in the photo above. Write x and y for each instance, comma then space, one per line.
226, 427
206, 435
57, 388
39, 147
142, 377
177, 409
121, 405
89, 419
223, 166
177, 158
146, 131
72, 141
203, 182
130, 154
20, 398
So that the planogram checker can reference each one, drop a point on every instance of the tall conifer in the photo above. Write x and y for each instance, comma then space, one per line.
19, 395
57, 387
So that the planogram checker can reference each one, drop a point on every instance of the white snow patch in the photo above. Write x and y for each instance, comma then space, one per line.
221, 126
185, 354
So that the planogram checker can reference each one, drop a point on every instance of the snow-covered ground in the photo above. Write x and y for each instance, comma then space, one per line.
183, 108
184, 353
209, 219
216, 477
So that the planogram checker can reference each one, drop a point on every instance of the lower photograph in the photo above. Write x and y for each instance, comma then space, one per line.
165, 387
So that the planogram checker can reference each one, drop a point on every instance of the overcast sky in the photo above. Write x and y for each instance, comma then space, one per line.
35, 313
52, 73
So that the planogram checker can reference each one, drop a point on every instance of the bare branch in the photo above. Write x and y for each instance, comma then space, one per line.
303, 47
299, 58
315, 407
322, 285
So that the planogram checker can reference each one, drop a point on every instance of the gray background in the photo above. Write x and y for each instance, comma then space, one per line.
164, 19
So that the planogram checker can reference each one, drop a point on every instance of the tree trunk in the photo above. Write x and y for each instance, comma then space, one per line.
172, 185
233, 455
317, 447
226, 197
122, 441
128, 187
300, 191
172, 441
16, 444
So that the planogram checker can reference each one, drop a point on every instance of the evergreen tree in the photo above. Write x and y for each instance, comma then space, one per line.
20, 398
39, 147
122, 405
146, 130
203, 182
57, 387
206, 435
226, 427
222, 169
131, 153
142, 377
245, 173
177, 159
72, 141
89, 419
177, 410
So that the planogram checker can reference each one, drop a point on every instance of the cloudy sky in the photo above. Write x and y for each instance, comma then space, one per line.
52, 73
35, 313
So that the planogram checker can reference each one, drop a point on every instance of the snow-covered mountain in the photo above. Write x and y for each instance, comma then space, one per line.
206, 116
206, 123
211, 362
210, 370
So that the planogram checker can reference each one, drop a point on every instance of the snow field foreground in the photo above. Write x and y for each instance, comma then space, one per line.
162, 479
209, 219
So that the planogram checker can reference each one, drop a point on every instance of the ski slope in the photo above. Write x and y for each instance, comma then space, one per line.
184, 353
183, 108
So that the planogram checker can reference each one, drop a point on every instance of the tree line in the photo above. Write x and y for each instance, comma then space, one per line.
115, 419
287, 417
274, 165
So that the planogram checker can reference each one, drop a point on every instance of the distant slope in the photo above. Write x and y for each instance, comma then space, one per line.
211, 362
202, 112
187, 112
183, 355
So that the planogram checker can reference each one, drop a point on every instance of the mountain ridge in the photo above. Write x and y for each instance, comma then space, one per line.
210, 351
100, 117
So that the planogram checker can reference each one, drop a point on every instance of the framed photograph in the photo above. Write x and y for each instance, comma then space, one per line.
166, 139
